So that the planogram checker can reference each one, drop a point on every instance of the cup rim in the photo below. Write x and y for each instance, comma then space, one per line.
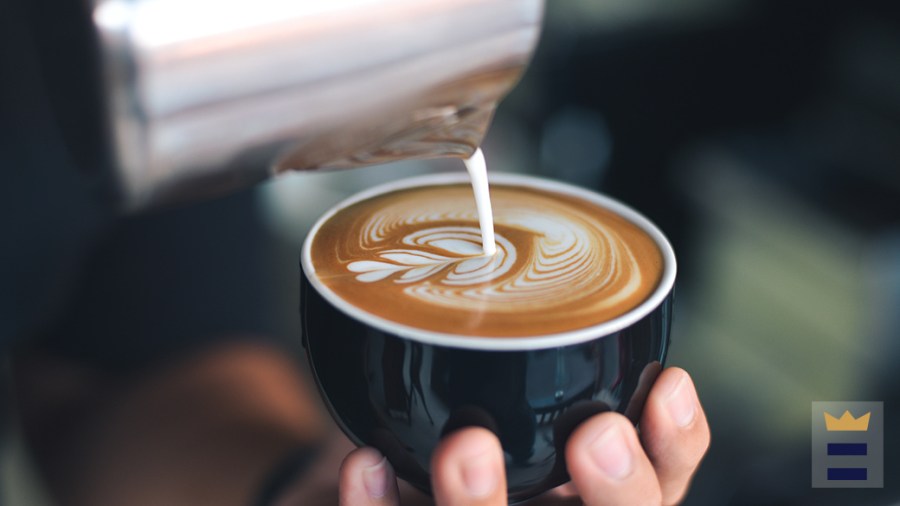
491, 343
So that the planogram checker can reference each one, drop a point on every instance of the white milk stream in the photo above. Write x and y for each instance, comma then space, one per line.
478, 173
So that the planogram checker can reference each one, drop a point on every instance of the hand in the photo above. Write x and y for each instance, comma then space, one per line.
610, 464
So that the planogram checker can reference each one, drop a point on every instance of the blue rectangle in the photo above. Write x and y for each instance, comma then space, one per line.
847, 473
847, 449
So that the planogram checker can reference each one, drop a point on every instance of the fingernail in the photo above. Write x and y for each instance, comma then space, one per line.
480, 475
611, 453
681, 404
376, 478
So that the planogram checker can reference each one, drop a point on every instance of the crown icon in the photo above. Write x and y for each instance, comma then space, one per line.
846, 422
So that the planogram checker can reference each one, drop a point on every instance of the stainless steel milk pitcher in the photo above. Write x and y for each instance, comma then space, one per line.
197, 95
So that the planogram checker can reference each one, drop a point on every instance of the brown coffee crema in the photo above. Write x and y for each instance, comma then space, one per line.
414, 257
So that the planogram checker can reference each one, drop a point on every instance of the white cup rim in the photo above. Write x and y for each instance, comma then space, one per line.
488, 343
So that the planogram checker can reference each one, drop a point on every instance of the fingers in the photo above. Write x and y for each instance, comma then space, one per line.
467, 469
606, 461
674, 432
367, 479
608, 465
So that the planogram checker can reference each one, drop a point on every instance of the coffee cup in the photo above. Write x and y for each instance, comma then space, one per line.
411, 334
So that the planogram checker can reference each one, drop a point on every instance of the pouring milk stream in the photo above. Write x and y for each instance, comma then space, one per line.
478, 173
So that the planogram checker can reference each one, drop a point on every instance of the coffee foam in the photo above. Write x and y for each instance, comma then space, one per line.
414, 257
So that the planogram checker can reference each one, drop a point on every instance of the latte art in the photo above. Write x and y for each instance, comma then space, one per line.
462, 256
415, 257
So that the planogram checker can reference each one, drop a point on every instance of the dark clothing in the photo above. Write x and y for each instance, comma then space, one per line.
162, 283
49, 215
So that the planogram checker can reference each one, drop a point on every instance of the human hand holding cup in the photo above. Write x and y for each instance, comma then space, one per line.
406, 352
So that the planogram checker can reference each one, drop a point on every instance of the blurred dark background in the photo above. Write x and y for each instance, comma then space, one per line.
764, 138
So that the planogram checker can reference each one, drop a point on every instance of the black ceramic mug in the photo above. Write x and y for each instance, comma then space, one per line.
400, 389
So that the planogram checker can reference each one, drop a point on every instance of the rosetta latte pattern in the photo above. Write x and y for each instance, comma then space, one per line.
425, 246
570, 252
